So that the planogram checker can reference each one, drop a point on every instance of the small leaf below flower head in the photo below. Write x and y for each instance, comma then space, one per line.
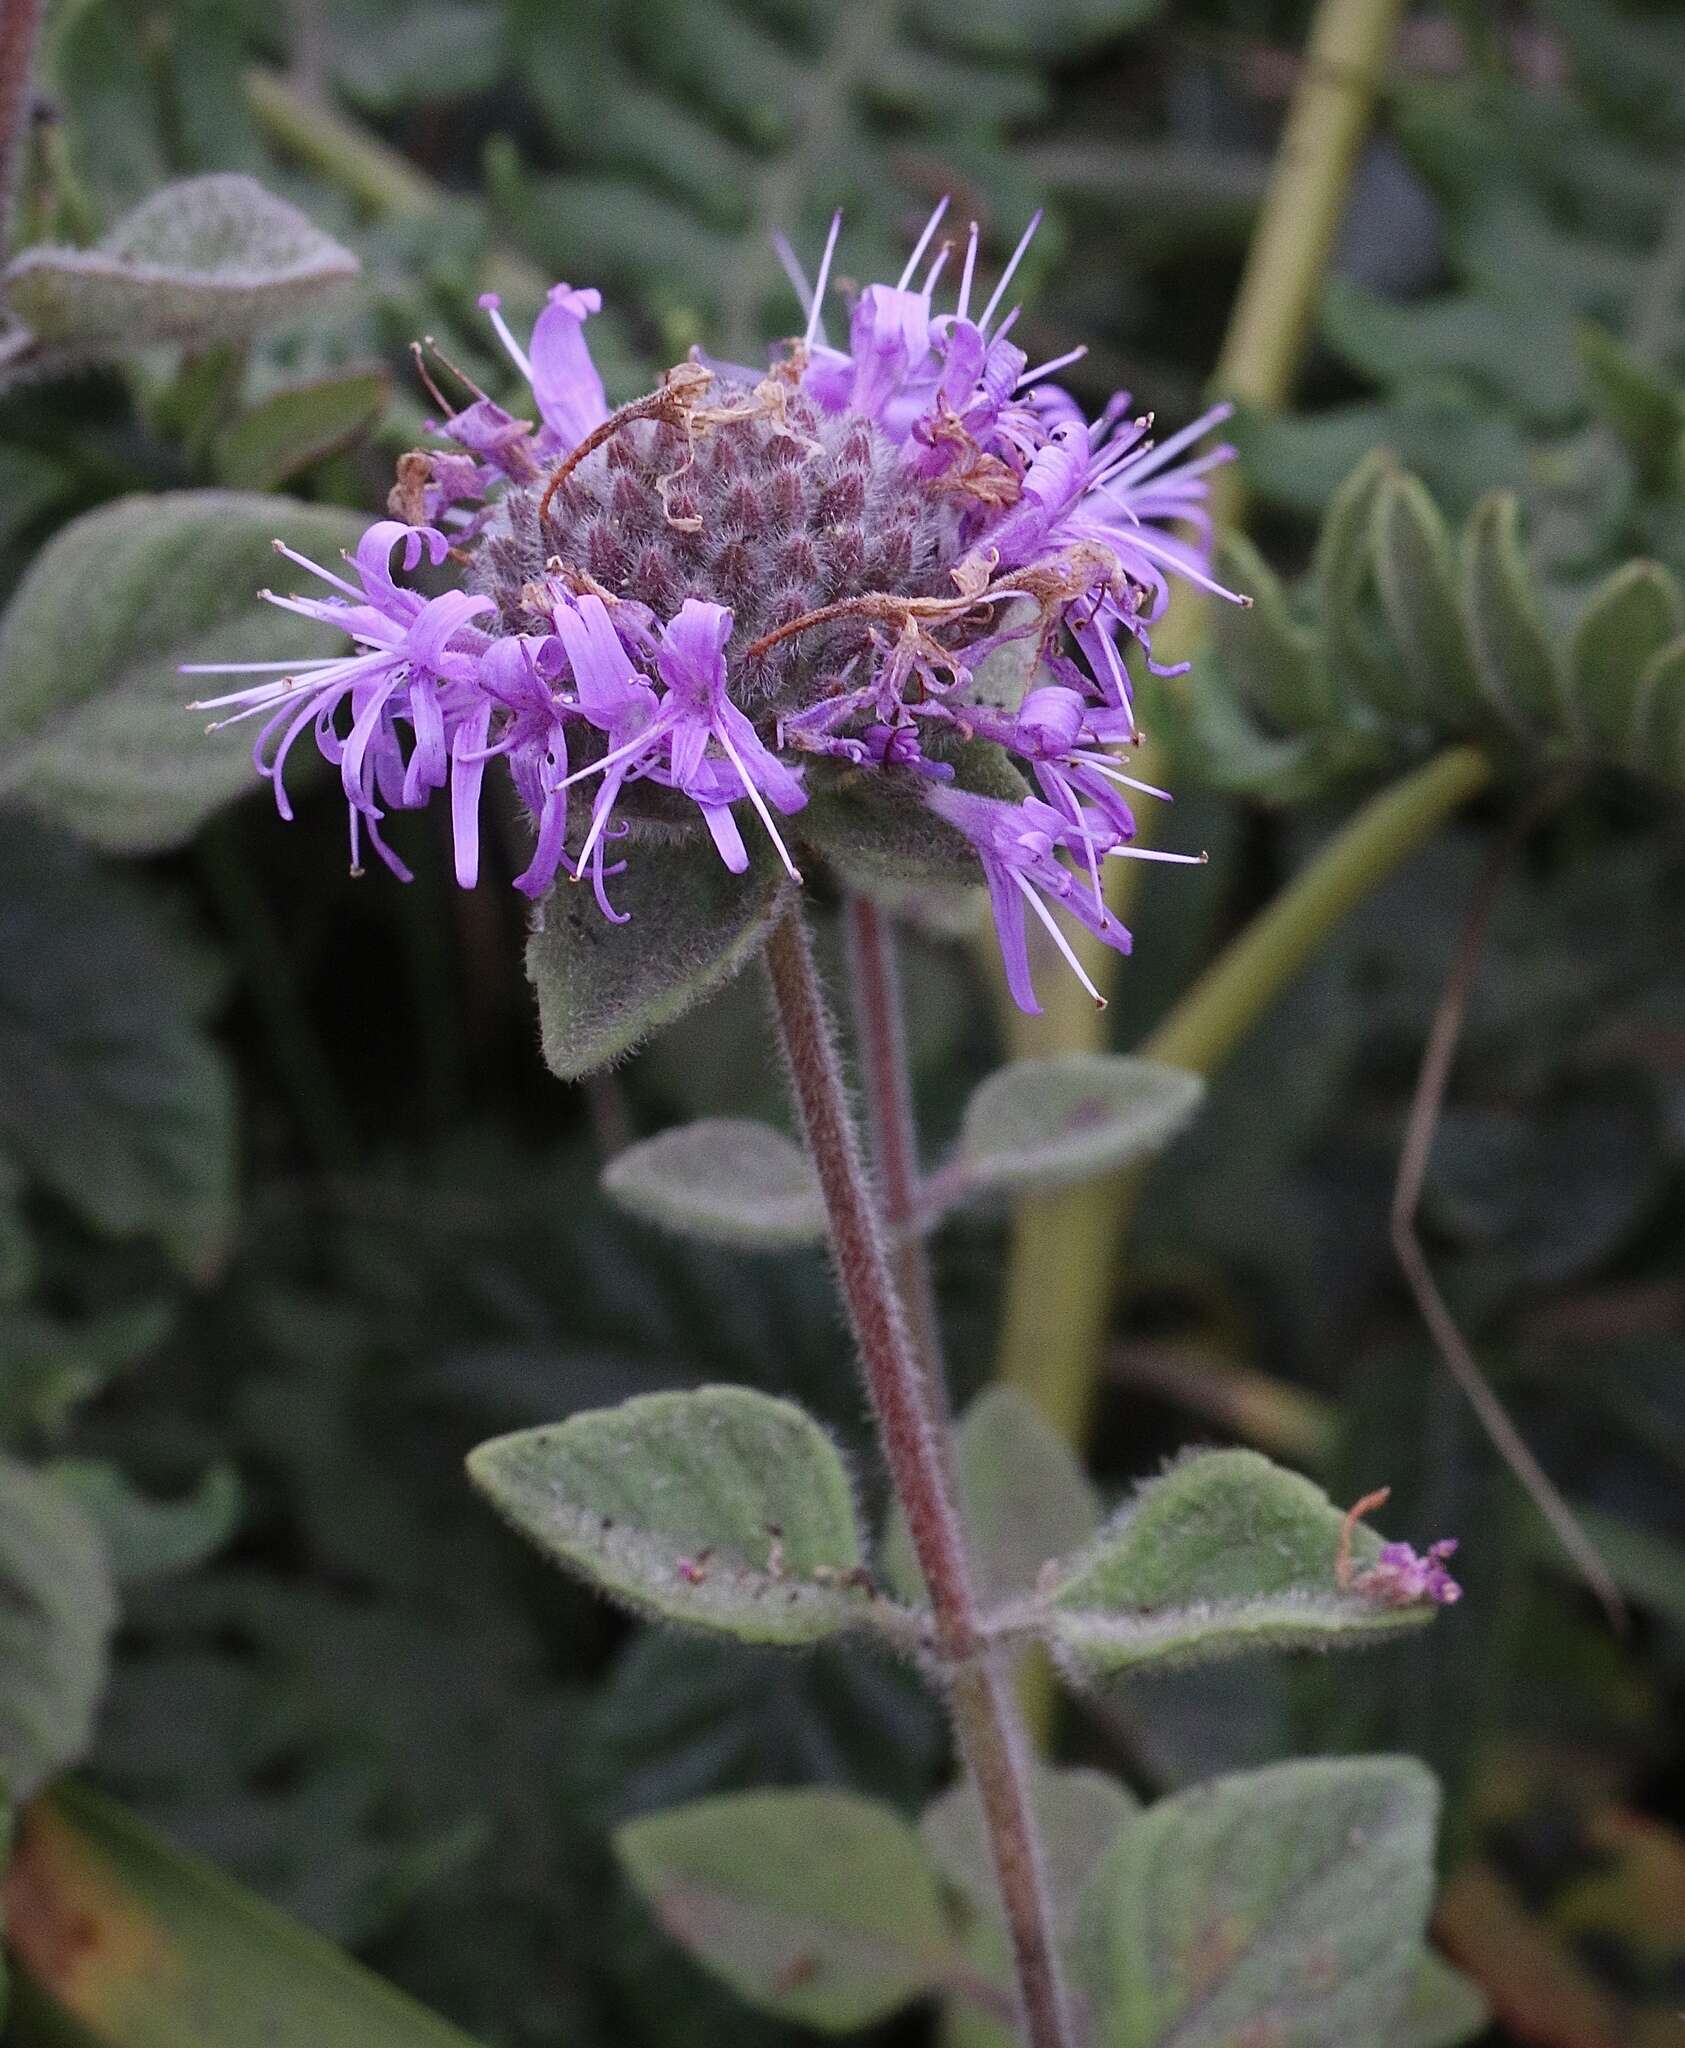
208, 259
727, 1180
816, 1905
883, 838
1023, 1494
1224, 1552
723, 1508
1043, 1123
1286, 1904
147, 1538
692, 925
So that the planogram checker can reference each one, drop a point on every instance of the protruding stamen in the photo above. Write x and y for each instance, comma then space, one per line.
1017, 257
815, 311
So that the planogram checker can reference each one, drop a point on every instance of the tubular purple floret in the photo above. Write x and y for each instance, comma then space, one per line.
694, 600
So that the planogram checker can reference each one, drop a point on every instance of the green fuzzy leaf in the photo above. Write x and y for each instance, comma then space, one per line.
1625, 625
1643, 407
57, 1611
1223, 1553
1046, 1123
112, 1093
146, 1538
1416, 574
1442, 2009
1263, 651
274, 440
1344, 572
603, 988
1037, 29
1512, 650
723, 1508
95, 733
1657, 734
208, 259
818, 1906
880, 835
1284, 1905
725, 1180
1023, 1493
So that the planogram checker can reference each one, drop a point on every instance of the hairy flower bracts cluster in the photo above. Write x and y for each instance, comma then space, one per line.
745, 589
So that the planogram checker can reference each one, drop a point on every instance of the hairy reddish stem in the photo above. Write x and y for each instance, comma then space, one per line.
980, 1695
875, 985
20, 23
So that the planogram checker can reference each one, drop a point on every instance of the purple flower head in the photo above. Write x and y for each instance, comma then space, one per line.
746, 587
1399, 1577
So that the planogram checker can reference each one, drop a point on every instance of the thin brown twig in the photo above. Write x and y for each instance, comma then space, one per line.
669, 403
1419, 1131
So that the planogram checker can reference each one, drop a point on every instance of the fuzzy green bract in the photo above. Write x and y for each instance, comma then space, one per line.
1044, 1123
603, 988
724, 1508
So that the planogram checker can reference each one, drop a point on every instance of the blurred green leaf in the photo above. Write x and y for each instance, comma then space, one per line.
147, 1538
818, 1905
95, 733
1442, 2010
57, 1611
272, 441
723, 1508
724, 1180
112, 1094
1290, 1901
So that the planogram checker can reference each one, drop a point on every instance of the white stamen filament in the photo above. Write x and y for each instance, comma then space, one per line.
823, 279
1006, 275
923, 243
1027, 890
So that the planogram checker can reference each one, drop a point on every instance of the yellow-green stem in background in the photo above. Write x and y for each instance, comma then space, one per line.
1054, 1343
1060, 1279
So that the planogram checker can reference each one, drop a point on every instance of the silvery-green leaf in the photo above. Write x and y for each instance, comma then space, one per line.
1415, 572
1513, 650
1222, 1553
95, 732
56, 1616
112, 1093
1286, 1904
727, 1180
1639, 402
1442, 2009
1023, 1494
1627, 622
209, 259
723, 1508
602, 988
144, 1537
819, 1906
1043, 1123
271, 441
1264, 652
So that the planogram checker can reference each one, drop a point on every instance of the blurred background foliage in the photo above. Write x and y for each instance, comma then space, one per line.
291, 1216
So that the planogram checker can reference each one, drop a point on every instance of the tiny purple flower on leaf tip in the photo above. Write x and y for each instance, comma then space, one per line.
689, 615
1400, 1576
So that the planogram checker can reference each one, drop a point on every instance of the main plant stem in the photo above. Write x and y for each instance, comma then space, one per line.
979, 1690
875, 984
